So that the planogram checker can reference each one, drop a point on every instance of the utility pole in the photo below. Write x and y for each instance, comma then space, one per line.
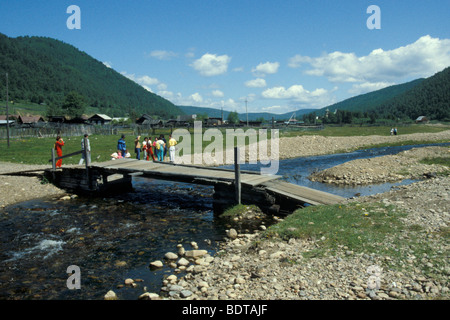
246, 110
7, 111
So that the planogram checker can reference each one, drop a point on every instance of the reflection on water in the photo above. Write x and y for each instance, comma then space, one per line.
115, 238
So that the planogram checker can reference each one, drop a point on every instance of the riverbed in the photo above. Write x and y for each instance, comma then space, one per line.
115, 238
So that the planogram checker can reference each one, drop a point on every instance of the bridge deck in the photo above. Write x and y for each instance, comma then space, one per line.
212, 175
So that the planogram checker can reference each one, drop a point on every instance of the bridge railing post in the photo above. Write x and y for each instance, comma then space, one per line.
237, 175
53, 159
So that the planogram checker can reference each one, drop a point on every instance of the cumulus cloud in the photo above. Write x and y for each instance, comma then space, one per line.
297, 93
422, 58
218, 93
211, 64
162, 54
145, 81
266, 68
256, 83
368, 87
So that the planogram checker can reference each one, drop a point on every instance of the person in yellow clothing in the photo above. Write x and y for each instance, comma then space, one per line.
172, 144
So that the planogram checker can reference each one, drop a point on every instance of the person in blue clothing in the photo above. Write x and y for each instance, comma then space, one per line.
121, 145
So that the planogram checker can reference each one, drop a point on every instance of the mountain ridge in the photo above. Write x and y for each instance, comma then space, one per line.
45, 70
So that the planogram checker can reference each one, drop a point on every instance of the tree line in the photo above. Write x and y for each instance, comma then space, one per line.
45, 71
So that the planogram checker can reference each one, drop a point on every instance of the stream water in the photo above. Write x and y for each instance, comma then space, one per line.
115, 238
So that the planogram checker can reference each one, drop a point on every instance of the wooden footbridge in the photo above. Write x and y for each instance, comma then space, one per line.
269, 192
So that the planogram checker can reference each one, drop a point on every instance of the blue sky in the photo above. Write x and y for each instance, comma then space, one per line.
280, 55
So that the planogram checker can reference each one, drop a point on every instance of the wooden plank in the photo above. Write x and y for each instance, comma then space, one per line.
258, 180
308, 195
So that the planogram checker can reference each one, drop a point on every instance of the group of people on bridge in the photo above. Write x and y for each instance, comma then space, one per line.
155, 150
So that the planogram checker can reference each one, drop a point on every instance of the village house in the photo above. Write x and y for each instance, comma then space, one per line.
100, 119
422, 119
30, 120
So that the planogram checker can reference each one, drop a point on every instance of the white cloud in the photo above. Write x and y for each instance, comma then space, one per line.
358, 89
107, 64
196, 97
162, 54
145, 81
272, 109
422, 58
317, 98
266, 68
256, 83
211, 64
218, 93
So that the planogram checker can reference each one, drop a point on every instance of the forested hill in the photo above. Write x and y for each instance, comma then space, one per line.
373, 100
45, 70
430, 98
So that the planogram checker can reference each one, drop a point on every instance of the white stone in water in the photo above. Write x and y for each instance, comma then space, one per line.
183, 262
111, 295
156, 264
195, 253
170, 256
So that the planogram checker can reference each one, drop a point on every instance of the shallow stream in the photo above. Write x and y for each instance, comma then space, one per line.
115, 238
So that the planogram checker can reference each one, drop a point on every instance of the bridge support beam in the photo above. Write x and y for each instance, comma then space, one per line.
78, 181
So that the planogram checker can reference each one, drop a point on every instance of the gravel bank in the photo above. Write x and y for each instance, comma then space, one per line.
391, 168
278, 269
14, 189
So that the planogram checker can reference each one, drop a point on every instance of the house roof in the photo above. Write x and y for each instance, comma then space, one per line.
30, 119
102, 116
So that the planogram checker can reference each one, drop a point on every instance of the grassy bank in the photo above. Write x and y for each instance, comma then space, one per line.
370, 228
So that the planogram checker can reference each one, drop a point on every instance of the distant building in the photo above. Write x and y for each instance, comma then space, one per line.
147, 120
5, 122
422, 119
213, 122
186, 117
30, 120
78, 120
143, 118
100, 119
250, 123
57, 119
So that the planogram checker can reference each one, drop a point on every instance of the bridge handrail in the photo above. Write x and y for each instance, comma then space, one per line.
83, 151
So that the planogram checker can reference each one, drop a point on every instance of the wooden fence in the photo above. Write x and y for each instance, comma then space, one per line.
53, 131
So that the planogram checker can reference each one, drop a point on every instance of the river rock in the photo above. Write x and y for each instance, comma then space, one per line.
156, 264
185, 293
149, 296
183, 262
171, 256
232, 234
111, 295
195, 253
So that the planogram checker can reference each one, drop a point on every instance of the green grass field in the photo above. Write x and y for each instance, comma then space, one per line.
38, 150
